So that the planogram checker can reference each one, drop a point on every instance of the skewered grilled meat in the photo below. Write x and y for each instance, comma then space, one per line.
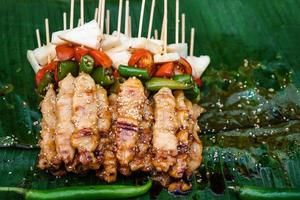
143, 159
104, 115
195, 144
105, 148
177, 171
164, 129
85, 138
65, 127
48, 157
130, 104
125, 132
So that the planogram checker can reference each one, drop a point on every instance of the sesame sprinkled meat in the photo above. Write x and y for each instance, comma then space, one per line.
48, 157
164, 130
130, 103
85, 138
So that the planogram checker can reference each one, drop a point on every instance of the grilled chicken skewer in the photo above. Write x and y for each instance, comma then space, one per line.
195, 144
48, 157
177, 171
105, 148
189, 159
65, 127
164, 130
143, 159
85, 138
130, 104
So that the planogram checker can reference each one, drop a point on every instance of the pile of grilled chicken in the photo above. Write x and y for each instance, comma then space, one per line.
85, 129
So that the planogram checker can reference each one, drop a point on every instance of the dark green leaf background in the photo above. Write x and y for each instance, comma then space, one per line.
251, 130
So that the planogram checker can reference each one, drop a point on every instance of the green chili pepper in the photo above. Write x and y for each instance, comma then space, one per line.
157, 83
183, 78
103, 76
133, 71
260, 193
66, 67
46, 80
86, 64
82, 192
193, 93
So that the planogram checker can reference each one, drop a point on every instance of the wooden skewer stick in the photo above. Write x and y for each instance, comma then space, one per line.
151, 19
120, 16
47, 37
47, 31
79, 22
102, 16
129, 27
177, 22
166, 26
72, 14
183, 28
96, 14
141, 19
162, 34
107, 22
65, 20
38, 37
99, 12
156, 34
82, 12
192, 42
126, 17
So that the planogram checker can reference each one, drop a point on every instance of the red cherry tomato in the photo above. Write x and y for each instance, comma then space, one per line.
64, 52
142, 58
165, 70
101, 58
49, 67
185, 66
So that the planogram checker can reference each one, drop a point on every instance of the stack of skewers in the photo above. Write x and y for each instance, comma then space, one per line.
117, 103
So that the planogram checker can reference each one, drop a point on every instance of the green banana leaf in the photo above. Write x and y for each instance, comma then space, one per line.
251, 128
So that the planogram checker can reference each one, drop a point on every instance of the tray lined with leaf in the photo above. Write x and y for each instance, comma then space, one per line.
251, 130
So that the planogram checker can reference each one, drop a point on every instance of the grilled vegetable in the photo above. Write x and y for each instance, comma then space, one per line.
86, 64
142, 58
101, 58
103, 76
183, 78
254, 193
48, 68
79, 52
82, 192
66, 67
64, 52
185, 66
133, 71
169, 57
165, 70
46, 80
157, 83
193, 93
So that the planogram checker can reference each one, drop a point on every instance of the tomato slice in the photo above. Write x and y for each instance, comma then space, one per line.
101, 58
64, 52
165, 70
198, 81
142, 58
79, 52
49, 67
185, 66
